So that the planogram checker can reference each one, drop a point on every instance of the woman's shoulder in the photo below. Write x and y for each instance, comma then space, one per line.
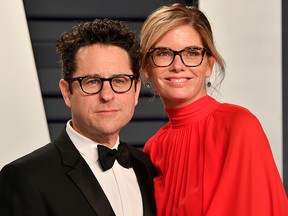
236, 113
154, 139
234, 109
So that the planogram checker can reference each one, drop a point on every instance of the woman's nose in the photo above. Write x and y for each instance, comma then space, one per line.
177, 64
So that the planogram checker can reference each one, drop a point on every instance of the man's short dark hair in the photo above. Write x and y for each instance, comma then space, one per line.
99, 31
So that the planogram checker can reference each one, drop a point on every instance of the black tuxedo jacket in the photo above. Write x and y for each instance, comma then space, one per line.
55, 180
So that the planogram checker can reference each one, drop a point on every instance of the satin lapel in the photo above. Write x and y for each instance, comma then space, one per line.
83, 177
145, 183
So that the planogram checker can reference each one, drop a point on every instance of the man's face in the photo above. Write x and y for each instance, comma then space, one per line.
101, 116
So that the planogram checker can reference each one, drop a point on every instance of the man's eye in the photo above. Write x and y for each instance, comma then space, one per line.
92, 81
120, 81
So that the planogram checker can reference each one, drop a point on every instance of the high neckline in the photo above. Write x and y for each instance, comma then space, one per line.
191, 113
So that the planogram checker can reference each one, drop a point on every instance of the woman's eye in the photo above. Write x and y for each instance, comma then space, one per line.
193, 53
163, 53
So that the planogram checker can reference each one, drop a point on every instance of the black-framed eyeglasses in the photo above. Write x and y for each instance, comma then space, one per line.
190, 56
119, 83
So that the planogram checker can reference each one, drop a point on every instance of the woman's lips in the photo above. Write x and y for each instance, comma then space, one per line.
178, 80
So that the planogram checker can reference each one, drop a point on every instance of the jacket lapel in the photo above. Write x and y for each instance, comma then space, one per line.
82, 176
145, 175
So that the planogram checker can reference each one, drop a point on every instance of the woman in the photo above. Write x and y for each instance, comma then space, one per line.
211, 158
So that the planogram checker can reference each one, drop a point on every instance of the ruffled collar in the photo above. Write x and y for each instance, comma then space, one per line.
193, 112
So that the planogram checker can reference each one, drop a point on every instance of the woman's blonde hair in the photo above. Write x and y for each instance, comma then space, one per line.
169, 17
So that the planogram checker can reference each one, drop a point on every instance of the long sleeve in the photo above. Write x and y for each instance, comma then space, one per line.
249, 183
214, 159
18, 196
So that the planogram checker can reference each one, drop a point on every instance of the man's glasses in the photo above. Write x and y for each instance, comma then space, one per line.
190, 56
119, 83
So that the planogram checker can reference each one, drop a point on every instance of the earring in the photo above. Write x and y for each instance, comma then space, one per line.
208, 82
147, 85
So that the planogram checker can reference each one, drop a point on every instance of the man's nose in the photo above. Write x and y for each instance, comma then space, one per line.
106, 92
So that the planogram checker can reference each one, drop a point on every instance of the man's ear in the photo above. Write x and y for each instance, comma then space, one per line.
137, 90
65, 91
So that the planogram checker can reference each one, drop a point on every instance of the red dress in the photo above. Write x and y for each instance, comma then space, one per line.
214, 159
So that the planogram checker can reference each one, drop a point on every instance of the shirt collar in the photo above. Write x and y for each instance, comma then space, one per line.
83, 144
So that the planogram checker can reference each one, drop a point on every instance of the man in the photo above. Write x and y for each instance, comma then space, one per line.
100, 83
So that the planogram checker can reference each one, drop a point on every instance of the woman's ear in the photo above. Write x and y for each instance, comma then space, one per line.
211, 62
145, 72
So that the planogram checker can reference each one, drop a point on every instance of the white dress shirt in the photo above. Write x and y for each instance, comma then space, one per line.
118, 183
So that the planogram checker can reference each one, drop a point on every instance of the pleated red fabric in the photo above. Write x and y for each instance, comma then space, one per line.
214, 159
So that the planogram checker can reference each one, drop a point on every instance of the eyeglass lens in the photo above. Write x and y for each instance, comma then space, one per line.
119, 84
191, 57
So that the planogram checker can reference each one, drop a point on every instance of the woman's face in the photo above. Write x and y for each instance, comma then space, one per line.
178, 84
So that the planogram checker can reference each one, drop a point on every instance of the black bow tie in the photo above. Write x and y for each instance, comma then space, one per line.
108, 156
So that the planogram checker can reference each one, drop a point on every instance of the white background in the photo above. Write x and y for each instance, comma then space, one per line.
23, 126
248, 36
